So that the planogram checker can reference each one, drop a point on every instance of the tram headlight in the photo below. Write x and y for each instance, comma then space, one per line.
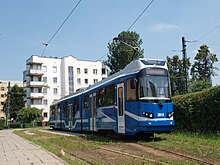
170, 114
148, 115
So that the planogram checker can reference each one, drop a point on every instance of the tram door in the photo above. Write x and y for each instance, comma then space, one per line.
121, 108
92, 105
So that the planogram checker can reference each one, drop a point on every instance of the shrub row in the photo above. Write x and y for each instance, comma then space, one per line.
198, 112
28, 125
2, 123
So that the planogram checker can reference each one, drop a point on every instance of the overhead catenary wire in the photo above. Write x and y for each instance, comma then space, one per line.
206, 34
46, 44
140, 15
131, 24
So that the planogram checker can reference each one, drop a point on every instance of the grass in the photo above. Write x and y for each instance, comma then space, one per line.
204, 146
55, 143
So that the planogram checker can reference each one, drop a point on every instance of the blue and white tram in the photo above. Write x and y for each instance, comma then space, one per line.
133, 101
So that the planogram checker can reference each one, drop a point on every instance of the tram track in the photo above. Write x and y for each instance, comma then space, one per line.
81, 159
132, 155
177, 154
129, 151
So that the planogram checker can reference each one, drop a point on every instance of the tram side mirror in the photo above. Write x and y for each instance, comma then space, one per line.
133, 83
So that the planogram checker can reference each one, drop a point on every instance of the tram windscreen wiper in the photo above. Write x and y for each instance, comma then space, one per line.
153, 89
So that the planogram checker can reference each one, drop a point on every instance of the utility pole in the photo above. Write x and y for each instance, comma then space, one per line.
184, 64
8, 105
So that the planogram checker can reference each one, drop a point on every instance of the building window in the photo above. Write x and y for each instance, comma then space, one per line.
54, 69
95, 71
45, 90
44, 68
45, 79
54, 80
86, 81
2, 103
95, 81
36, 102
103, 71
2, 88
55, 91
45, 114
45, 102
71, 79
2, 95
86, 71
78, 81
78, 70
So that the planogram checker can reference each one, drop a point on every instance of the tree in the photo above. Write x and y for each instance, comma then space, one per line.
29, 115
203, 68
120, 54
198, 85
17, 95
177, 74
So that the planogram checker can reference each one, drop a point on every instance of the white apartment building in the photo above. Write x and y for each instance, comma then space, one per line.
3, 93
49, 78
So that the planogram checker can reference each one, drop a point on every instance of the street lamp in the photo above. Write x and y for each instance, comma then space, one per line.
8, 105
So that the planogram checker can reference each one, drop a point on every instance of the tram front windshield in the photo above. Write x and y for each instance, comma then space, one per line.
154, 84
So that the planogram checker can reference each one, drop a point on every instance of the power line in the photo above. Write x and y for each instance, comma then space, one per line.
132, 23
141, 14
206, 34
46, 44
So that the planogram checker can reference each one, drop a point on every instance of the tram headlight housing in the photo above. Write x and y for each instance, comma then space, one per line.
148, 115
170, 114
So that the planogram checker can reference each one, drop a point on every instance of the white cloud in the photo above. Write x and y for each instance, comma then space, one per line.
162, 27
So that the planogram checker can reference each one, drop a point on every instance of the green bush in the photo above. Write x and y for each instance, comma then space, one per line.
198, 112
15, 125
2, 123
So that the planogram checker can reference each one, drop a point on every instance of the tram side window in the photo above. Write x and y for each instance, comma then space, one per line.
58, 110
52, 110
65, 110
100, 97
105, 96
75, 106
110, 94
131, 92
70, 110
86, 105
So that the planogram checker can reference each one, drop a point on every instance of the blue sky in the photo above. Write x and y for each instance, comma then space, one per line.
26, 24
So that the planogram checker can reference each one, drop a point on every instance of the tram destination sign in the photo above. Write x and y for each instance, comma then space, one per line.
157, 71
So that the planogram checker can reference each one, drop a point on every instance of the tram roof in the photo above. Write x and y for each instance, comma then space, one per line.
133, 67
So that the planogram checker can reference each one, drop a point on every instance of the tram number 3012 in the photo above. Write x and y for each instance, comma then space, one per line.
160, 114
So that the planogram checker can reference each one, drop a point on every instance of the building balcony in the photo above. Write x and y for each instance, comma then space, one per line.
35, 72
34, 60
35, 84
38, 106
35, 95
